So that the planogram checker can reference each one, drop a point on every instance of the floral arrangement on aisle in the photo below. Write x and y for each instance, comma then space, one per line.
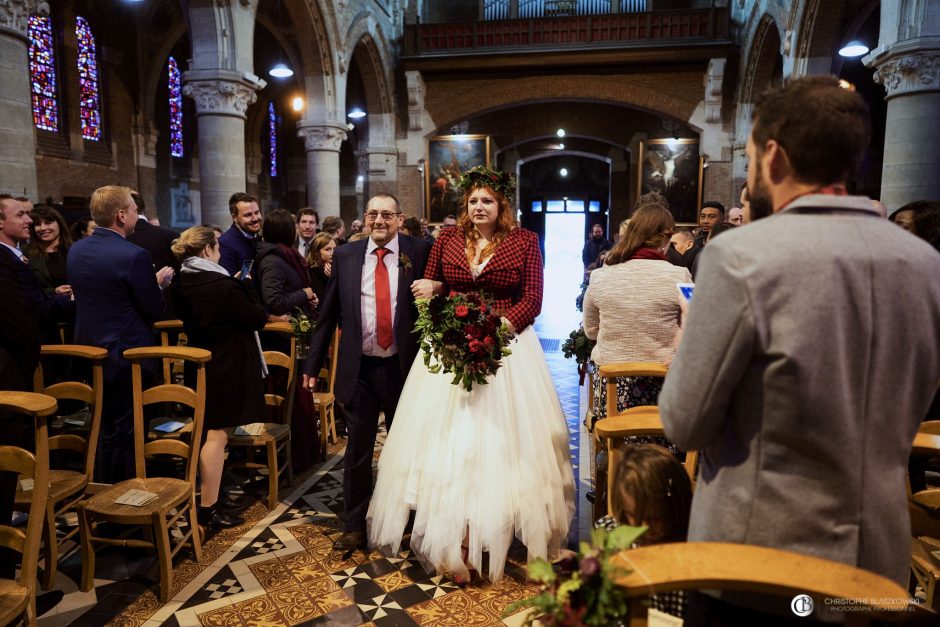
580, 591
303, 327
579, 346
461, 335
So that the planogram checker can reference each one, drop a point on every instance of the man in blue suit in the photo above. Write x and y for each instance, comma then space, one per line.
377, 346
118, 297
237, 245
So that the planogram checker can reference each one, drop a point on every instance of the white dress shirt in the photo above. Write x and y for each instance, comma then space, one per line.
303, 245
370, 343
19, 255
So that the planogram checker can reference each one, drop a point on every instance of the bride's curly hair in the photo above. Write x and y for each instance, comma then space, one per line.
505, 220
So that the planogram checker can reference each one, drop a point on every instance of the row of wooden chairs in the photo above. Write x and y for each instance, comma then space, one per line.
66, 490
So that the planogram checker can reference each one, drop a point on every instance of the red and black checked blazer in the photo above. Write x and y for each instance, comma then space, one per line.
512, 277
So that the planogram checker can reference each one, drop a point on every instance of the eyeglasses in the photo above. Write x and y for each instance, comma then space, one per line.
386, 215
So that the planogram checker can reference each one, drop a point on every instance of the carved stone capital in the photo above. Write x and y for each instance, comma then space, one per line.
416, 94
319, 137
222, 97
714, 79
14, 14
909, 73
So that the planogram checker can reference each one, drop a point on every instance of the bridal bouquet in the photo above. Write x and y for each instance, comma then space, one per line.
461, 335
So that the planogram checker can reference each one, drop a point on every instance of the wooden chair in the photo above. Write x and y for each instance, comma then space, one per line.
170, 332
757, 570
175, 497
67, 487
611, 372
924, 507
325, 401
273, 437
18, 598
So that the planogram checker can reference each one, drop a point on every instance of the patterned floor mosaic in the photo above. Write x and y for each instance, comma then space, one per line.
278, 568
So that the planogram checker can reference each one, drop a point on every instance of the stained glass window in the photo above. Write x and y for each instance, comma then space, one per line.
42, 74
272, 137
176, 108
89, 104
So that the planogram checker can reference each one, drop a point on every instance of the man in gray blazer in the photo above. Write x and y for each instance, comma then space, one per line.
809, 354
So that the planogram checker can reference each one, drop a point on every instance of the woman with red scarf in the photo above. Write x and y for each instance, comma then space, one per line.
279, 270
632, 309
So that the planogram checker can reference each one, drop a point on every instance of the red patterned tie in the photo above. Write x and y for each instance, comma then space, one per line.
383, 301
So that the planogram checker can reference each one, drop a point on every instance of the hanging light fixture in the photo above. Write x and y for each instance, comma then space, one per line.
356, 113
280, 70
854, 48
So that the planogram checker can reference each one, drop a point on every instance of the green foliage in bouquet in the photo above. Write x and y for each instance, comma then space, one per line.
578, 346
303, 327
580, 590
461, 335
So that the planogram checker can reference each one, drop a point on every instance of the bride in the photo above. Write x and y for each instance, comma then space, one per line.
483, 466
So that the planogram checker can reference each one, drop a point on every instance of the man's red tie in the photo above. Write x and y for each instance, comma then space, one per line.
383, 301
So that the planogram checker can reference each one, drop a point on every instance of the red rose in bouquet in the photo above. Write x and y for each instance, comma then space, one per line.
461, 335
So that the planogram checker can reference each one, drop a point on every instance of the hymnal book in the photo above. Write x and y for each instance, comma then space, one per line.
136, 498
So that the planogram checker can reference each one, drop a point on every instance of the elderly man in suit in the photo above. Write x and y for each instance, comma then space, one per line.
118, 297
809, 356
369, 289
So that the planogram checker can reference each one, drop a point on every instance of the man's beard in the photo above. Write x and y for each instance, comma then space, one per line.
761, 204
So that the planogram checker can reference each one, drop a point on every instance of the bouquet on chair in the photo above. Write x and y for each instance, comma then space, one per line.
461, 335
303, 328
579, 346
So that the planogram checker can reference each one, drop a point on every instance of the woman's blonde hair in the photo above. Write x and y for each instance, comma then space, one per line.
649, 227
193, 241
318, 243
505, 223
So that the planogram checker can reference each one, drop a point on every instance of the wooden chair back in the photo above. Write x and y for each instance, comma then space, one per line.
643, 420
611, 372
169, 331
168, 393
328, 370
35, 467
92, 395
283, 404
756, 570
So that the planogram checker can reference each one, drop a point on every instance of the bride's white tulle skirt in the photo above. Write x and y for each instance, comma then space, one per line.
487, 464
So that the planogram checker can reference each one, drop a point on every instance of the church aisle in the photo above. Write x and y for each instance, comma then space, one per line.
279, 569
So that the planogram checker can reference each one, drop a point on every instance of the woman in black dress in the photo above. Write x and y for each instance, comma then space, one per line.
48, 248
279, 268
220, 314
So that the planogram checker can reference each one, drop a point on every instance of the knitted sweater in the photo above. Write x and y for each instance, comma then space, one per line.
632, 310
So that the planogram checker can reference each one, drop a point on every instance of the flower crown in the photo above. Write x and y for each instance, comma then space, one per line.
480, 176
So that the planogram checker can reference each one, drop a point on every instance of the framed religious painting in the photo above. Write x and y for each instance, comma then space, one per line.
448, 157
672, 167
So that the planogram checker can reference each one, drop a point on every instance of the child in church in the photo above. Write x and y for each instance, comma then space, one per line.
652, 488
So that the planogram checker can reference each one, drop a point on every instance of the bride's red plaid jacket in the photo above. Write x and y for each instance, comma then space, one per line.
512, 277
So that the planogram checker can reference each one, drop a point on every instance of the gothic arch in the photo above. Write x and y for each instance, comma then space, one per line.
763, 60
314, 23
367, 47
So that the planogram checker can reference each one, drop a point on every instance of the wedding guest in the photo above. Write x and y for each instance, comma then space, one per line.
220, 314
48, 249
320, 260
118, 297
307, 220
631, 308
82, 229
479, 468
239, 242
652, 488
279, 269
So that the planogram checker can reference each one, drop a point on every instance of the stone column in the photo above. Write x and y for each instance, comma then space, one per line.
911, 75
222, 98
17, 137
322, 143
